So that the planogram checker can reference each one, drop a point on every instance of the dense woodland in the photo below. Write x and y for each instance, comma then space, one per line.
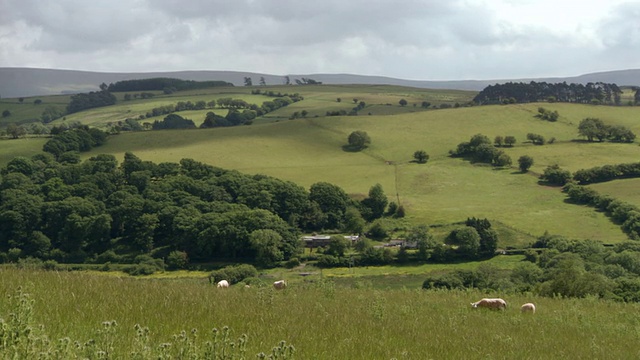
94, 99
77, 212
518, 92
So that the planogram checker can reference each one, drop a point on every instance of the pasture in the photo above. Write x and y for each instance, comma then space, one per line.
444, 190
26, 111
322, 320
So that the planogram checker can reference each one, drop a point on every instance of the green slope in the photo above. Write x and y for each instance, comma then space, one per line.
445, 190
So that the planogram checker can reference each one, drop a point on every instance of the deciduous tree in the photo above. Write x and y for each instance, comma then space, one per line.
359, 140
421, 156
376, 202
525, 162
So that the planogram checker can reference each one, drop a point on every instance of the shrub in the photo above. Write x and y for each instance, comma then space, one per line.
327, 261
234, 273
140, 269
291, 263
554, 175
108, 256
446, 281
177, 260
377, 231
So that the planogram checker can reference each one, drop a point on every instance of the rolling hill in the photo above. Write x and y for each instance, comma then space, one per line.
444, 191
17, 82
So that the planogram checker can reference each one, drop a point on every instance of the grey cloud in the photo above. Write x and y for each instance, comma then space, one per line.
417, 39
70, 26
622, 28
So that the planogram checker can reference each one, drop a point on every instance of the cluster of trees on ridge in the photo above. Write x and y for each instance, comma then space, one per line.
93, 99
168, 85
519, 92
594, 128
480, 149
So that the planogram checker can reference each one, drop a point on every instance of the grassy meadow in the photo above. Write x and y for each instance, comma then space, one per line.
322, 320
624, 189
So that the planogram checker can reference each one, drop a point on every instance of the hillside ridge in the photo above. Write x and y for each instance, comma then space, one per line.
23, 81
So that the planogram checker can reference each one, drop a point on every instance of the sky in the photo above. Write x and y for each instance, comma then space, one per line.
410, 39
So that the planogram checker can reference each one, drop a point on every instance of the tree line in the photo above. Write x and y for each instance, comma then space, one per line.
234, 116
606, 173
623, 213
519, 92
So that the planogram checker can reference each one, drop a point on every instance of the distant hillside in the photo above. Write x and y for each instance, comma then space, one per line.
16, 82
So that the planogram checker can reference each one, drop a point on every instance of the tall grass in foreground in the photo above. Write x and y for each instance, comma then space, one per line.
322, 320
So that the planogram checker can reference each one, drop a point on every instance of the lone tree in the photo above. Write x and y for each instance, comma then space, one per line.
247, 81
525, 162
359, 140
402, 102
421, 156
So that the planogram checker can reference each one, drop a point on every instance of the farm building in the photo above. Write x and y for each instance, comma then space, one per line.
314, 241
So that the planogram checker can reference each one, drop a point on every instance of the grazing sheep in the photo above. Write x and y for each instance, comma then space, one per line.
224, 284
280, 285
494, 304
528, 307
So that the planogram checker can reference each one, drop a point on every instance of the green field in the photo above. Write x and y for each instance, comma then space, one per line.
625, 189
322, 320
443, 191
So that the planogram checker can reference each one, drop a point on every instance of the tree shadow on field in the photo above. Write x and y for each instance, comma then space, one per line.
351, 148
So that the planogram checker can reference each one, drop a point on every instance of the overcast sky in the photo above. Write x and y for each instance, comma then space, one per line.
410, 39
